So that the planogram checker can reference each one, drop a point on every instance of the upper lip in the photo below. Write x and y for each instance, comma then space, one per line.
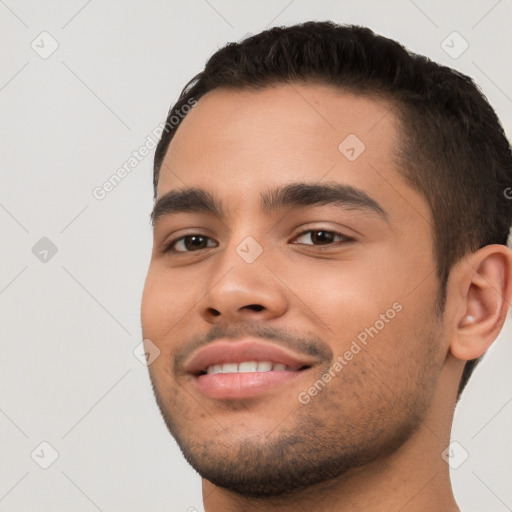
226, 351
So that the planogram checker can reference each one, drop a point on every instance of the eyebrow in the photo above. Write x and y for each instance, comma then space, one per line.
294, 195
186, 200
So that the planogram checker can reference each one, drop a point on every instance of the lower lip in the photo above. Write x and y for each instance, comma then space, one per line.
235, 386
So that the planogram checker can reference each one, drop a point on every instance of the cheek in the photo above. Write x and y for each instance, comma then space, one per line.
164, 303
151, 304
347, 295
374, 297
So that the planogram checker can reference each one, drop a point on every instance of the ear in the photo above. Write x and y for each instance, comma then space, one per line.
480, 294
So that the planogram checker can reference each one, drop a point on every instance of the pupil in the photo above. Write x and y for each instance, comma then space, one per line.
321, 237
195, 242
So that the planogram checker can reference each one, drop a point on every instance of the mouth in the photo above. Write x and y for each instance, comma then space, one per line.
251, 367
234, 370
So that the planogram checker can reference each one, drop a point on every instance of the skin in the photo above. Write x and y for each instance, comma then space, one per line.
372, 438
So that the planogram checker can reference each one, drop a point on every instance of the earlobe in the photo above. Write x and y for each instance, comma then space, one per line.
483, 289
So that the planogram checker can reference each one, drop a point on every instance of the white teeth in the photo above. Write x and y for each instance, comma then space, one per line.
246, 367
216, 368
230, 368
264, 366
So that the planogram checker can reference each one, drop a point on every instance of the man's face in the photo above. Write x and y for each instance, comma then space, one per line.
307, 278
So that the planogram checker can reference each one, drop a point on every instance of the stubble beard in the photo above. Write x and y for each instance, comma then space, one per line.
319, 443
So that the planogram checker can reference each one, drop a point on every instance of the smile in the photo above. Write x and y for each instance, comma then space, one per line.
235, 370
248, 367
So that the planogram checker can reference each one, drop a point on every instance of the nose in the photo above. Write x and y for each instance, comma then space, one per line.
241, 291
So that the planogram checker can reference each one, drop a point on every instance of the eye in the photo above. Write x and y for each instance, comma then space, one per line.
190, 243
321, 237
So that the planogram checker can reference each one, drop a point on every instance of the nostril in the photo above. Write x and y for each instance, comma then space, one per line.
255, 307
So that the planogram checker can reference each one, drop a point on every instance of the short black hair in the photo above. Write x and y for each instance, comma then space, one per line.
454, 150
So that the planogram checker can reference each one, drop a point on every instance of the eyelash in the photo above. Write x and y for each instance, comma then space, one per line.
343, 238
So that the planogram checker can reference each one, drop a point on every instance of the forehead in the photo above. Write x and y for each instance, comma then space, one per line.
237, 142
274, 129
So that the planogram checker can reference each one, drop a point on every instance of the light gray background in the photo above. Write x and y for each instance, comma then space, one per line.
68, 374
